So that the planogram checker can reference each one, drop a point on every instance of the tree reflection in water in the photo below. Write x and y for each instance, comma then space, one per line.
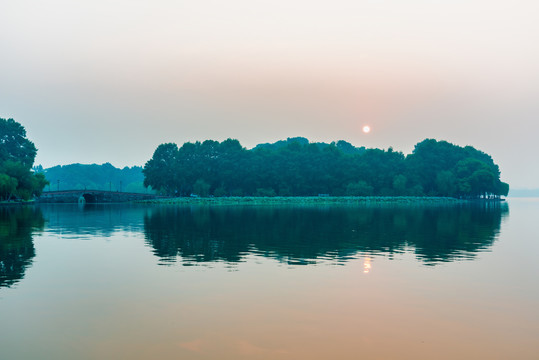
304, 235
17, 226
292, 235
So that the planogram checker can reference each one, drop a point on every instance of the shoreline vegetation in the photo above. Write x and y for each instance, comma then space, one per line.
294, 201
316, 200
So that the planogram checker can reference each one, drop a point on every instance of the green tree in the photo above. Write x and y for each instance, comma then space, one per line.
446, 183
8, 186
360, 188
399, 184
201, 188
503, 189
38, 183
475, 178
442, 168
161, 171
17, 155
14, 145
265, 192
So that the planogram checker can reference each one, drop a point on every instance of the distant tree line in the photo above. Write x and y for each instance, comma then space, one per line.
299, 168
17, 154
95, 177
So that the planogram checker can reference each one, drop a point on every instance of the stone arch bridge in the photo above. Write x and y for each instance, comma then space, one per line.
92, 196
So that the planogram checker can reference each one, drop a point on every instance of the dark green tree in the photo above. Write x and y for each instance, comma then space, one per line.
14, 145
161, 171
17, 155
445, 169
201, 188
475, 178
360, 188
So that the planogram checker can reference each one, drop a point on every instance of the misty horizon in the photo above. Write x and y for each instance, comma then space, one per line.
97, 82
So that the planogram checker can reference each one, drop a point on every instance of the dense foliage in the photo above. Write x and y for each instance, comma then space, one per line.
299, 168
17, 154
95, 177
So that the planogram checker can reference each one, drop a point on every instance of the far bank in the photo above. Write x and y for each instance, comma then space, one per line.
314, 200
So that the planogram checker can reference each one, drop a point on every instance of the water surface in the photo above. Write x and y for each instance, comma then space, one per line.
254, 282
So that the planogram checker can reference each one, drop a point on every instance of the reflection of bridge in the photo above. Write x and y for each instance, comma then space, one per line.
92, 196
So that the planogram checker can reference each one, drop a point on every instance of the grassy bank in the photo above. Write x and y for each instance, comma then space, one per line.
16, 203
297, 200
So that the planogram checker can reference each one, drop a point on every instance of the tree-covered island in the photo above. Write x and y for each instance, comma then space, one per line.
297, 167
292, 167
17, 154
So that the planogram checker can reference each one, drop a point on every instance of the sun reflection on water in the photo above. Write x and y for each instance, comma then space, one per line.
367, 265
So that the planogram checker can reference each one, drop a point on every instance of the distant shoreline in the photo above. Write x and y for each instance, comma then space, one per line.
311, 200
16, 203
294, 200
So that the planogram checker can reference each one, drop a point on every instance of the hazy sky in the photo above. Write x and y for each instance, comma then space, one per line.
107, 81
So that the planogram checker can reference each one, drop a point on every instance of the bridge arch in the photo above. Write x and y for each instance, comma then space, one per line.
88, 198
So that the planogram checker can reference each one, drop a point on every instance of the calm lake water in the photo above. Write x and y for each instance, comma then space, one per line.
147, 282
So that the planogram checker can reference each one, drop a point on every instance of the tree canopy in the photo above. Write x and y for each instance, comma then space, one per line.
17, 155
296, 167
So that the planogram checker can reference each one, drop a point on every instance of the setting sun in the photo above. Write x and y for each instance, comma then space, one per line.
366, 129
